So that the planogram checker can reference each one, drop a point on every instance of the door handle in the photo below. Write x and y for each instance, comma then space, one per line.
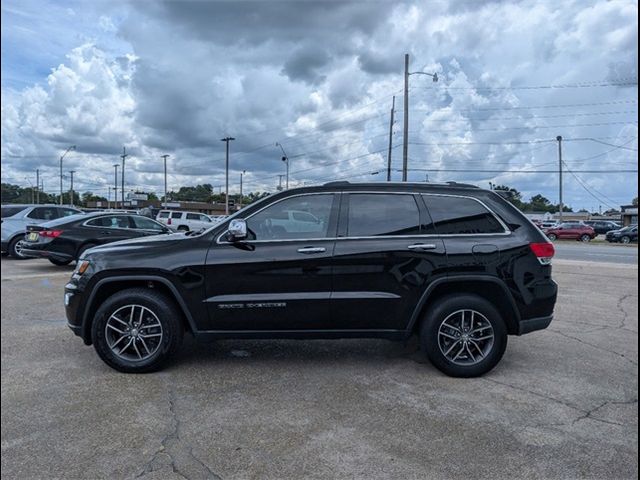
105, 232
422, 246
310, 250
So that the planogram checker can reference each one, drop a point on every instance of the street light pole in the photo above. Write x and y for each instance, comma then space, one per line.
405, 139
123, 156
561, 205
115, 186
393, 109
241, 174
164, 157
71, 172
72, 147
226, 194
37, 186
285, 159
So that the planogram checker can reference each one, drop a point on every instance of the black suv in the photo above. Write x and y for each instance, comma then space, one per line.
454, 264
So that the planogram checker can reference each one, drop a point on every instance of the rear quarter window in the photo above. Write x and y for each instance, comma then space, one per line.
461, 216
163, 215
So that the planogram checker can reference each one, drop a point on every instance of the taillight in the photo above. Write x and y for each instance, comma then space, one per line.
50, 233
543, 251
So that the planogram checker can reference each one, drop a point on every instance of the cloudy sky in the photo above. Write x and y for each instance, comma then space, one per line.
174, 77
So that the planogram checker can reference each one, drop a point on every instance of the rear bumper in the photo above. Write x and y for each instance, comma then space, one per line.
533, 324
42, 253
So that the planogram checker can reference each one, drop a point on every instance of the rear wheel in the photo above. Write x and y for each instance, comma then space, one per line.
137, 330
585, 238
626, 239
183, 228
15, 248
463, 335
59, 262
552, 237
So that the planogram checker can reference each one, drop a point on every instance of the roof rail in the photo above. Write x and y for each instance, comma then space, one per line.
337, 183
466, 185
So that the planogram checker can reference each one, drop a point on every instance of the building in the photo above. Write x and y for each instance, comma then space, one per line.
629, 214
137, 204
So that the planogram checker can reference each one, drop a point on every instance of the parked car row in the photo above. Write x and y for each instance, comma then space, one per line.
62, 234
588, 230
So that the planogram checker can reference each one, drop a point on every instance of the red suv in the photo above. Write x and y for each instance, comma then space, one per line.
571, 231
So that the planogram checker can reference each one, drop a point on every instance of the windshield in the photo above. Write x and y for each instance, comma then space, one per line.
11, 211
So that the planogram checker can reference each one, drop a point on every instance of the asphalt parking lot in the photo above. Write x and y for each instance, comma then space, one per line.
562, 404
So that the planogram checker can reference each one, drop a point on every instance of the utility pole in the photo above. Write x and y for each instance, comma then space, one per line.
405, 137
226, 193
285, 159
109, 197
393, 108
123, 156
72, 147
37, 185
71, 172
115, 186
559, 139
280, 177
164, 157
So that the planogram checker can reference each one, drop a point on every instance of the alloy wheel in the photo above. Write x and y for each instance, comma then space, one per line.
465, 337
133, 333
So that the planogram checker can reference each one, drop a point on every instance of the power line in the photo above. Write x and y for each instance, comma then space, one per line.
539, 87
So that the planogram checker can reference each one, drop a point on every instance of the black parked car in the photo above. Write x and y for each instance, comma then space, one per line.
459, 266
64, 240
601, 227
623, 235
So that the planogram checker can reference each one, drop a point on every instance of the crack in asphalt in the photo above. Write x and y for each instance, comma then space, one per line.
588, 414
625, 315
180, 455
585, 414
593, 345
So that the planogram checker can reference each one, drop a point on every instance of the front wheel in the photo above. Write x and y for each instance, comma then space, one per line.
137, 330
585, 238
463, 335
552, 236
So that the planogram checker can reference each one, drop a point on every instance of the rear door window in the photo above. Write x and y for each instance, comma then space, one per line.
144, 223
193, 216
176, 215
11, 211
379, 214
43, 213
461, 216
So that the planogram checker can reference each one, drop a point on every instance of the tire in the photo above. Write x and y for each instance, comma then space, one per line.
183, 228
437, 339
161, 341
15, 245
552, 236
626, 239
83, 249
60, 263
585, 238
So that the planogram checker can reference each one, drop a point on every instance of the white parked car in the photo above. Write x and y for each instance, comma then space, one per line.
16, 218
184, 221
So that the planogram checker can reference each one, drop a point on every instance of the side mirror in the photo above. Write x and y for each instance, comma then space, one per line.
237, 229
